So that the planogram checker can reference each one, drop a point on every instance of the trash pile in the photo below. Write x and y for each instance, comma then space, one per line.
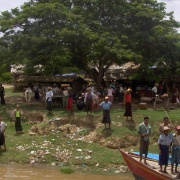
62, 154
69, 130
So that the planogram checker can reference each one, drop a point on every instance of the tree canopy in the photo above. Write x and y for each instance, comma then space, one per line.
90, 35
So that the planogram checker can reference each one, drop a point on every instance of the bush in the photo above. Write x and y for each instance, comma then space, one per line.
6, 77
66, 170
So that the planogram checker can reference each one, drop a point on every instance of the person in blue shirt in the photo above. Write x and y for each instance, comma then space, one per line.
106, 105
164, 144
175, 159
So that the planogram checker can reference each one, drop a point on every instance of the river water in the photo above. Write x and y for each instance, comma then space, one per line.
20, 172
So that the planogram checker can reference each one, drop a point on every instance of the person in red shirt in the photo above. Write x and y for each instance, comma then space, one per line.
128, 106
69, 105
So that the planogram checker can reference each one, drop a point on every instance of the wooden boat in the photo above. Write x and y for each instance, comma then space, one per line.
149, 171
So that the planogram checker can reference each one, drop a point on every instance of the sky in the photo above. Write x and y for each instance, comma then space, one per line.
171, 5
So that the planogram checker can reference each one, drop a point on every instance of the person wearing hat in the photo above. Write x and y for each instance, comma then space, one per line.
164, 143
128, 106
175, 150
106, 105
49, 96
17, 115
144, 131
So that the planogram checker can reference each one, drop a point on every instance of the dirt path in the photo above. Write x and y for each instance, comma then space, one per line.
8, 85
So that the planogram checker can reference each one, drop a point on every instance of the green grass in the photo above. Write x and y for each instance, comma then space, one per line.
84, 156
66, 170
10, 92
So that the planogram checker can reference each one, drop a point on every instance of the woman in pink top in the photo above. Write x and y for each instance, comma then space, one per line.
128, 106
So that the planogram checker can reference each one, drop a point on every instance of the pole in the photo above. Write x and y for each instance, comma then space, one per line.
168, 117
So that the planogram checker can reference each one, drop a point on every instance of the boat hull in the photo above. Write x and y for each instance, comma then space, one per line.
140, 171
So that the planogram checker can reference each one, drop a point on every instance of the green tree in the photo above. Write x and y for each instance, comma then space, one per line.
89, 34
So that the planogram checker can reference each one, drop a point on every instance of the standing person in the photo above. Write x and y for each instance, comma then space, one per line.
144, 131
128, 106
17, 115
69, 105
88, 100
121, 93
3, 127
175, 96
2, 94
175, 159
164, 143
155, 89
106, 105
110, 92
96, 100
165, 123
36, 92
65, 97
49, 96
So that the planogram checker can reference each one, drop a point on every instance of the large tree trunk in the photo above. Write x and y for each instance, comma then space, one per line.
97, 77
97, 73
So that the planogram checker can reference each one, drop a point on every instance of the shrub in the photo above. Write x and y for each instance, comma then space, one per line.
6, 77
66, 170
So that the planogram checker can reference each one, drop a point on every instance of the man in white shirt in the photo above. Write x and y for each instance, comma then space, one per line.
49, 95
155, 89
164, 143
3, 127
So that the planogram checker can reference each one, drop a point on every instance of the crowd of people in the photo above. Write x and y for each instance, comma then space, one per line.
90, 100
167, 142
118, 93
160, 92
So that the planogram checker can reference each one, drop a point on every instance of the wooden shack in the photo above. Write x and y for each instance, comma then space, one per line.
21, 81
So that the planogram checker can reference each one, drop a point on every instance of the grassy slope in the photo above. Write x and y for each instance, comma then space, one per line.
103, 160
